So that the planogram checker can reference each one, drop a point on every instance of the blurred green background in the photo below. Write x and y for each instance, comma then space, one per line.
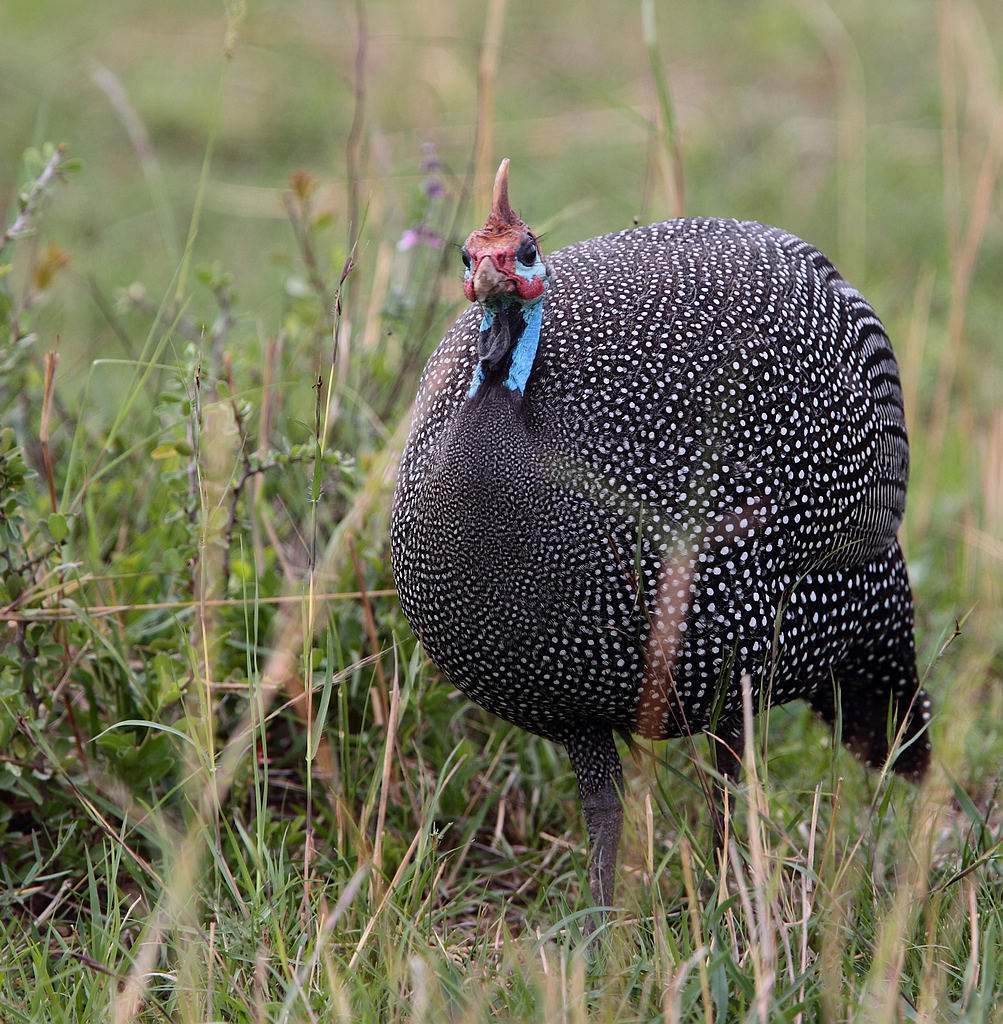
873, 130
823, 120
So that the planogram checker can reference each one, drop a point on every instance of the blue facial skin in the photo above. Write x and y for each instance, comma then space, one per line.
524, 350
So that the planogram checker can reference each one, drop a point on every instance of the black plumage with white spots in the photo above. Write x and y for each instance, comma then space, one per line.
702, 479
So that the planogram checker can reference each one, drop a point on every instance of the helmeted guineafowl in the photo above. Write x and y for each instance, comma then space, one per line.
653, 463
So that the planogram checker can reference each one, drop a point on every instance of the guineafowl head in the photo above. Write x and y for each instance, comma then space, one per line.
503, 259
506, 274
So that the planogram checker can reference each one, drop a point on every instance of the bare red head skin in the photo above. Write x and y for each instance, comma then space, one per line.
491, 252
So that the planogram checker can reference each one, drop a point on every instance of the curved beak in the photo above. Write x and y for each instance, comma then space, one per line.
489, 282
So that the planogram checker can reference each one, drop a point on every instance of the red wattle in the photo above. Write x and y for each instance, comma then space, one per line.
529, 290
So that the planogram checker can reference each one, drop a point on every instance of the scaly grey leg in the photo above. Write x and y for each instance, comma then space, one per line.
600, 783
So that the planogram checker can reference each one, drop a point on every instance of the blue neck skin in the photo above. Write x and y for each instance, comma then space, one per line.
524, 350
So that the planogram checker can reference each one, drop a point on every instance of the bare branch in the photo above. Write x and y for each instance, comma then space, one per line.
29, 203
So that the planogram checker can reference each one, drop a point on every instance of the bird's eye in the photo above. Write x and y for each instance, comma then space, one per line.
526, 253
466, 258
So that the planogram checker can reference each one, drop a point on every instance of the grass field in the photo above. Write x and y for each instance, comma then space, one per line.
195, 476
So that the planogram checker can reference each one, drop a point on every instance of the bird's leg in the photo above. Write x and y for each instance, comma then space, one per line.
728, 746
600, 783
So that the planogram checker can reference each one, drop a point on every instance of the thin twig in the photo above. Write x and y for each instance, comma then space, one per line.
332, 403
51, 362
300, 214
29, 203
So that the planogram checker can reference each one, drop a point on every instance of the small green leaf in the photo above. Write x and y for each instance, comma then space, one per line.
164, 451
59, 529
